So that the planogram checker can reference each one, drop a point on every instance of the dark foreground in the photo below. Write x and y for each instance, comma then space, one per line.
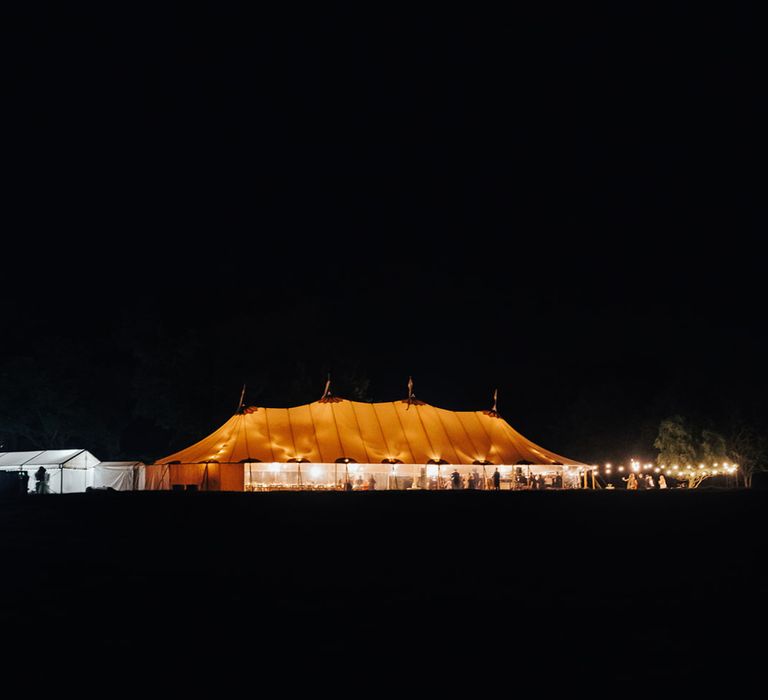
520, 588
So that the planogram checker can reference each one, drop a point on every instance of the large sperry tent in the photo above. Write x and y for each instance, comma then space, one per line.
334, 431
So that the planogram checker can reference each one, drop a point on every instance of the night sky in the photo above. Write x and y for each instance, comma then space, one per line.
565, 206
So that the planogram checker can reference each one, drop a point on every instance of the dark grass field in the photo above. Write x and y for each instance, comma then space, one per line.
543, 588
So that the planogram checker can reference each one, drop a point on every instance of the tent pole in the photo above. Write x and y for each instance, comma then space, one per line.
61, 478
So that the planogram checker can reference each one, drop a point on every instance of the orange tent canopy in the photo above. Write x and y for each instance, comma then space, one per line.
334, 429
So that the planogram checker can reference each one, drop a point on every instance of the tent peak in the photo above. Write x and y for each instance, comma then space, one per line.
412, 400
494, 412
241, 403
328, 396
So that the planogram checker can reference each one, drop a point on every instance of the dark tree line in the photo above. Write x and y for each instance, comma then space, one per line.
159, 373
144, 394
680, 442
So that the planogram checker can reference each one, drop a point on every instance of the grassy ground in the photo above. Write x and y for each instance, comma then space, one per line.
545, 587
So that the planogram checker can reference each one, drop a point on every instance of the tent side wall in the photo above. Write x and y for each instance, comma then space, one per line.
74, 480
231, 477
119, 477
260, 476
157, 477
208, 476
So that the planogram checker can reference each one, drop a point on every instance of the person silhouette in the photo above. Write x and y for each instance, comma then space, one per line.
496, 480
41, 480
631, 482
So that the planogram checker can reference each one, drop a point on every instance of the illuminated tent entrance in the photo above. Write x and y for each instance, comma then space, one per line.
335, 444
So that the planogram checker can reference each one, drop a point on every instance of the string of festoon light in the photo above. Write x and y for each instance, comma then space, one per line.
674, 470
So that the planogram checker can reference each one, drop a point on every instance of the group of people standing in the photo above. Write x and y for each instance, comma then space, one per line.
473, 480
642, 482
359, 484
